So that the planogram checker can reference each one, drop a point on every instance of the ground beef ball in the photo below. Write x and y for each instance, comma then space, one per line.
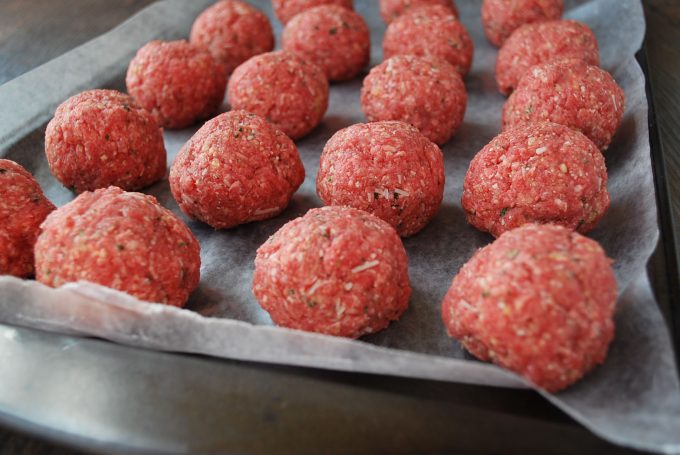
543, 42
572, 93
336, 270
386, 168
177, 82
237, 168
282, 87
285, 10
502, 17
233, 31
23, 207
335, 38
100, 138
536, 173
125, 241
431, 30
426, 92
538, 301
392, 9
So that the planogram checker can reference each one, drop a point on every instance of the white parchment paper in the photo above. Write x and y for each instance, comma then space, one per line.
633, 399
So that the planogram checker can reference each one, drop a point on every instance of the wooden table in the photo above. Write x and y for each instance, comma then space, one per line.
35, 31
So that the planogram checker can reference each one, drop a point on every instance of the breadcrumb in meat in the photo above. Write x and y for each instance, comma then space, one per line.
237, 168
122, 240
572, 93
538, 301
282, 87
178, 82
23, 207
386, 168
100, 138
233, 31
543, 42
425, 92
285, 10
336, 270
502, 17
536, 173
392, 9
335, 38
431, 30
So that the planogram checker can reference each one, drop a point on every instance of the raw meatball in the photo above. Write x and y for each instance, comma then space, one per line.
287, 9
543, 42
283, 88
23, 207
426, 92
125, 241
335, 38
237, 168
572, 93
536, 173
386, 168
336, 270
177, 82
538, 301
502, 17
391, 9
233, 31
431, 30
100, 138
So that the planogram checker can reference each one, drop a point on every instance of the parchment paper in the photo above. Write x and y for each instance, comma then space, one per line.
633, 399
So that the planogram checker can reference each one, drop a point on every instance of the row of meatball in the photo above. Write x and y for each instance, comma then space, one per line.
97, 238
539, 300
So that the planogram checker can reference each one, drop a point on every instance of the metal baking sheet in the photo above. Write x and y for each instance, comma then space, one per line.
223, 318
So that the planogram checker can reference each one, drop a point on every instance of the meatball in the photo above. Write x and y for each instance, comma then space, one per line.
285, 10
392, 9
283, 88
233, 31
538, 301
386, 168
543, 42
237, 168
125, 241
177, 82
425, 92
336, 270
502, 17
536, 173
100, 138
335, 38
572, 93
431, 30
23, 207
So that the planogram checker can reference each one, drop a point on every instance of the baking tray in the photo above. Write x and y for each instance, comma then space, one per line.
664, 267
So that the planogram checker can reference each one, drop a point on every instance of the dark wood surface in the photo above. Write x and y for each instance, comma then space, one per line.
35, 31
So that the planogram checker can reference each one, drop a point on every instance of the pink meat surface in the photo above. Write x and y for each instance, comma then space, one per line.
433, 31
386, 168
336, 270
425, 92
334, 38
23, 207
100, 138
536, 173
125, 241
282, 87
538, 301
572, 93
237, 168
